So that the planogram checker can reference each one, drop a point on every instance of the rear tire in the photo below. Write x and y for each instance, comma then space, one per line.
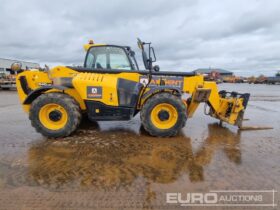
55, 115
163, 115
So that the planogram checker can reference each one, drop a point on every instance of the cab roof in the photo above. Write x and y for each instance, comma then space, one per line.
92, 44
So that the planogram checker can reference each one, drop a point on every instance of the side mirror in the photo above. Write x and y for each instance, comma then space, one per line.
153, 51
140, 44
16, 66
156, 68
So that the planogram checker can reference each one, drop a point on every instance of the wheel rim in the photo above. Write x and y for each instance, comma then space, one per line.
164, 116
53, 116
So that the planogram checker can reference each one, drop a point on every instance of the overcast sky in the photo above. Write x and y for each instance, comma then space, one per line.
238, 35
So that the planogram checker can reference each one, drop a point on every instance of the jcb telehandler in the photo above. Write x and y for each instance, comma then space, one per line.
110, 86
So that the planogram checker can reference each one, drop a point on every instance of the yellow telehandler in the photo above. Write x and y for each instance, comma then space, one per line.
110, 86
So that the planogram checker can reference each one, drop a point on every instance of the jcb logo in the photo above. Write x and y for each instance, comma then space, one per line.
94, 92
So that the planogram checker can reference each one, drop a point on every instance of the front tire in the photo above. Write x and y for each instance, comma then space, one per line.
55, 115
163, 115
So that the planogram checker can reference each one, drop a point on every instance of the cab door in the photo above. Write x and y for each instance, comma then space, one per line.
111, 85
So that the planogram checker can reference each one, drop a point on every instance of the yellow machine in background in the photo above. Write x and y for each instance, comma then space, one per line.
110, 86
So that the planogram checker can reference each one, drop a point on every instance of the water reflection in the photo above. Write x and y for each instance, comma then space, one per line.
116, 158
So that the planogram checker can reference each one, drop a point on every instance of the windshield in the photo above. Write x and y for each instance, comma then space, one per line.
108, 57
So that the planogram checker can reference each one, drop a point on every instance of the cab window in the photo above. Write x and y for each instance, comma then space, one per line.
101, 61
118, 59
108, 58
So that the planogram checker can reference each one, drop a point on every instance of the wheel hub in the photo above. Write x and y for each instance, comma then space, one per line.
163, 115
55, 115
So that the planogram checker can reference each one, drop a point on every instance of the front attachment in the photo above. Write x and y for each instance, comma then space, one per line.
232, 107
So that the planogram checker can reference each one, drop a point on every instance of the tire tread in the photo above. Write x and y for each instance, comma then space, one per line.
145, 115
55, 98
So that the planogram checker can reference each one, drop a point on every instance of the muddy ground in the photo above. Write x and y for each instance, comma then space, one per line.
116, 165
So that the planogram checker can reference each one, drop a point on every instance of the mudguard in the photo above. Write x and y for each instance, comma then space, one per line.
155, 90
37, 92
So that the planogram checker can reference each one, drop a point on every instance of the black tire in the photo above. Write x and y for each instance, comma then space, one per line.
166, 98
71, 107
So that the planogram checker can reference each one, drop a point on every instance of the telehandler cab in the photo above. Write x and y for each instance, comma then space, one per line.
110, 86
